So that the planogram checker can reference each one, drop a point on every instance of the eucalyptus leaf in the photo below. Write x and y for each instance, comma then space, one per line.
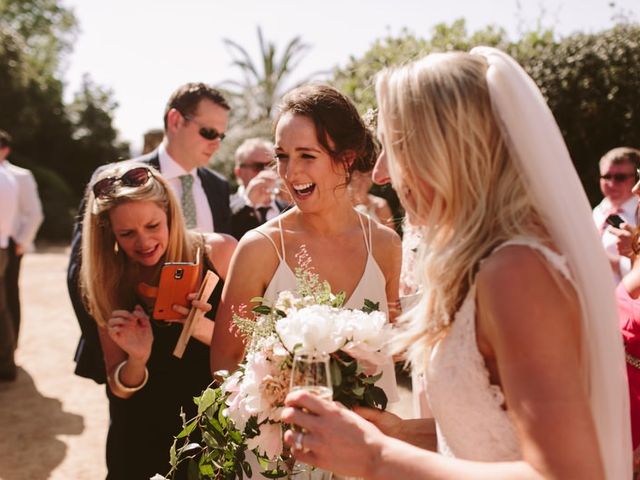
262, 310
207, 399
206, 470
173, 458
187, 429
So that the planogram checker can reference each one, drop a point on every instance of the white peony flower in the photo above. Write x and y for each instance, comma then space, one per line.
313, 327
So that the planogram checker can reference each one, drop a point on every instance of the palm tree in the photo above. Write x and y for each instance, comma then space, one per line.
262, 86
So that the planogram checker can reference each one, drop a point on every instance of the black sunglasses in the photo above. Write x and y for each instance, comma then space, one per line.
205, 132
136, 177
617, 177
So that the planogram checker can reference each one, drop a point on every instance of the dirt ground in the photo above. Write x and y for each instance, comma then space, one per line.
54, 423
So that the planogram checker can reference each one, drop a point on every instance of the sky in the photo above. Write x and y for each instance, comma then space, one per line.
144, 49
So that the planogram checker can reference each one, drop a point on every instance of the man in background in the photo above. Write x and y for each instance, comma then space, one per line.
255, 201
28, 218
195, 121
9, 203
618, 175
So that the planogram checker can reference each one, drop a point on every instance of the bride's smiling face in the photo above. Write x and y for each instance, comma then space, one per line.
308, 170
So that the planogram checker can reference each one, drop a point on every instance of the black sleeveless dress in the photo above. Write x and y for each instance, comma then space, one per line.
142, 427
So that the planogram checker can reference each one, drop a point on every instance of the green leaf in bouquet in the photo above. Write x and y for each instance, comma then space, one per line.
358, 391
274, 473
222, 419
379, 397
252, 429
173, 457
205, 400
235, 435
339, 299
206, 470
210, 440
370, 306
188, 448
349, 369
216, 425
280, 313
188, 429
262, 310
371, 379
247, 469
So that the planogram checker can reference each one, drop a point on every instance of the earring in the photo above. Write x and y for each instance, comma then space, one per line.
116, 248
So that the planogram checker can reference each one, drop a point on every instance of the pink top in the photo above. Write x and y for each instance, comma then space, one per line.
629, 317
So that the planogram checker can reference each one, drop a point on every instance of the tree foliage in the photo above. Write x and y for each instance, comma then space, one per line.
263, 80
61, 143
591, 81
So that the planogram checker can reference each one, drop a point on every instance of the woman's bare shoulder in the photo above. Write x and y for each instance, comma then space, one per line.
518, 278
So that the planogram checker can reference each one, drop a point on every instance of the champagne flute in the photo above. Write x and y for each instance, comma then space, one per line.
310, 372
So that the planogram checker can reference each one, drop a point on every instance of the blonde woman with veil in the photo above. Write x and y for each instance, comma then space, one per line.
516, 329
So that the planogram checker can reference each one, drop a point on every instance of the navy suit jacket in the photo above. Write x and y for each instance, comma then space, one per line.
244, 218
88, 357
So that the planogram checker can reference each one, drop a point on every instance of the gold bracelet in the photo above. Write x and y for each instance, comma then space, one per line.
124, 388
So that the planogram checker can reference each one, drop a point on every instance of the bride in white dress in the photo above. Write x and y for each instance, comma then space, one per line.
516, 329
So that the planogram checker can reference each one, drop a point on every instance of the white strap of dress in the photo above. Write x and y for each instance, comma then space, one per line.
554, 258
281, 238
367, 242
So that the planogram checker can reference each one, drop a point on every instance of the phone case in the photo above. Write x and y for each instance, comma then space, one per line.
177, 280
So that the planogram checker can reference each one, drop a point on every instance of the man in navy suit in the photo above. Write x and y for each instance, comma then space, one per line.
195, 120
255, 202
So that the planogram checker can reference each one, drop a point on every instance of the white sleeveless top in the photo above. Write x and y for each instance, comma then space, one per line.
371, 287
470, 414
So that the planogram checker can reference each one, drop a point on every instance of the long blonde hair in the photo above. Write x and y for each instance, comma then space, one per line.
108, 277
454, 172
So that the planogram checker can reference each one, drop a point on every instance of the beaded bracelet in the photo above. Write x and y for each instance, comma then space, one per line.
124, 388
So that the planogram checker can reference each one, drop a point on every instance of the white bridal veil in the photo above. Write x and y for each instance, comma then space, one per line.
536, 143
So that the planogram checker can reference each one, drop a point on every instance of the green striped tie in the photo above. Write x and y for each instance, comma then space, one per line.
188, 204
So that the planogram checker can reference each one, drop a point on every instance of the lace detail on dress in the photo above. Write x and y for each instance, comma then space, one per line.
472, 420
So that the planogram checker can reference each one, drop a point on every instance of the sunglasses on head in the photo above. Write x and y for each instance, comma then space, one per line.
136, 177
205, 132
618, 177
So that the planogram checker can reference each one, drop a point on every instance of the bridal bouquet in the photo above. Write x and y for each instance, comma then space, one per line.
243, 414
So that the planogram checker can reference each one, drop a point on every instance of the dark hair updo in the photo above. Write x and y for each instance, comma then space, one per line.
337, 123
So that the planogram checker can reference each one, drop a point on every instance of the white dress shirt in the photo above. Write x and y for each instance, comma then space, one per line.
8, 203
273, 211
609, 240
29, 211
172, 171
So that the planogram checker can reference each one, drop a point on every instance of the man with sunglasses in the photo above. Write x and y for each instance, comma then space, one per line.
617, 178
256, 200
195, 121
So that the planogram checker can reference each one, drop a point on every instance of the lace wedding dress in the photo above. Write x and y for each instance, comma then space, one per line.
472, 421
